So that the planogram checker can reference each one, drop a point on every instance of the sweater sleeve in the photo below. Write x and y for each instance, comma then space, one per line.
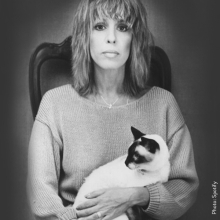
44, 172
172, 199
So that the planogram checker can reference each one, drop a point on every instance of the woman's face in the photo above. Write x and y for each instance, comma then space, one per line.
110, 42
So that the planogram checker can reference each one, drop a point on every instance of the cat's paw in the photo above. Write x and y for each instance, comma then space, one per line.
122, 217
131, 214
134, 213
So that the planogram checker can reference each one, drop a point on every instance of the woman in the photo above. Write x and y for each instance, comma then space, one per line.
82, 126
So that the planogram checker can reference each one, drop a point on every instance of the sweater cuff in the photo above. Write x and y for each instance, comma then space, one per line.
68, 215
154, 199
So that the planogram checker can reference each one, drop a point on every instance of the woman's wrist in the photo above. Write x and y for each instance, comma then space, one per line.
139, 196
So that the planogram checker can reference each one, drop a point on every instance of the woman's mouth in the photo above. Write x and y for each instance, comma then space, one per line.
111, 54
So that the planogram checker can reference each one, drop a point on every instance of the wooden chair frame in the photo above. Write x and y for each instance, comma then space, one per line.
160, 64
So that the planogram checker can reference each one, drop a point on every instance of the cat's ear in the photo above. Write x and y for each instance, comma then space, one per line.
136, 133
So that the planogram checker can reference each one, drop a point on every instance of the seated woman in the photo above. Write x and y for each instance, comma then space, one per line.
87, 124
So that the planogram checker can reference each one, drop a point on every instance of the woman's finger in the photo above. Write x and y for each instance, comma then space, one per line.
107, 217
87, 204
95, 194
86, 212
95, 216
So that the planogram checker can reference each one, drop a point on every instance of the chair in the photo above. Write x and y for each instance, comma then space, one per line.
50, 67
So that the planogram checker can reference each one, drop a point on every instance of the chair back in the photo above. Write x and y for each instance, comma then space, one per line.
50, 67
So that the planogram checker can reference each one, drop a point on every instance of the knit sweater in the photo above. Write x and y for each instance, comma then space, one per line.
72, 136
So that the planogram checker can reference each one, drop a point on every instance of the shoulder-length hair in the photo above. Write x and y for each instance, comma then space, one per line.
137, 66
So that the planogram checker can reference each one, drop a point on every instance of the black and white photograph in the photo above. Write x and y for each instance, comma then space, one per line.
111, 110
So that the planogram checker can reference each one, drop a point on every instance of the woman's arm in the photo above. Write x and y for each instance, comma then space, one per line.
164, 201
111, 202
43, 175
172, 199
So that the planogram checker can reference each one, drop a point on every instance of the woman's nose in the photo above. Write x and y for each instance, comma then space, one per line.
111, 37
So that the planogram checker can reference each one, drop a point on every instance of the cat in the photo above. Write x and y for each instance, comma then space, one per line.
146, 162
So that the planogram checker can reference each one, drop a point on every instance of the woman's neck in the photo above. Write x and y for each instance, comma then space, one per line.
109, 83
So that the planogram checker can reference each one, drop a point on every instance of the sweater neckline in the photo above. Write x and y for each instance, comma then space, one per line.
95, 104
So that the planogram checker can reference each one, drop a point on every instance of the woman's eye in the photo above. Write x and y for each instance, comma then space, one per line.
99, 27
123, 28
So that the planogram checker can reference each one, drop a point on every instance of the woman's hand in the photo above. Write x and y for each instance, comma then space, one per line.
111, 203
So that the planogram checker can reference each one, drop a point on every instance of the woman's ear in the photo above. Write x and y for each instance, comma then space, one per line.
136, 133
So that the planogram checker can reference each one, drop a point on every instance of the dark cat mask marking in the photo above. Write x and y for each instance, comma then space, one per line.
142, 150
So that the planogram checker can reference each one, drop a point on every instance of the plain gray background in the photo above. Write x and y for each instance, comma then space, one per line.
184, 29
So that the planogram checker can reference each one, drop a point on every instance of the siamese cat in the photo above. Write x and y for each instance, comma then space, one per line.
146, 162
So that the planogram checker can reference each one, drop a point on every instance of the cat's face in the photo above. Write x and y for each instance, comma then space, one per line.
141, 152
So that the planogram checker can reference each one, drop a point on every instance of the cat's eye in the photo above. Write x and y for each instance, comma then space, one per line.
136, 156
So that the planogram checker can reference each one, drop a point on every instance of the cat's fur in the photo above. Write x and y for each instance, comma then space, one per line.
147, 162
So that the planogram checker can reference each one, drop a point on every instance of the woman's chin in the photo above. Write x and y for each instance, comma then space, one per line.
114, 66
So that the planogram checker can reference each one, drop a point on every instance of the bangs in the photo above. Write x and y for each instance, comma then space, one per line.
133, 13
119, 10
